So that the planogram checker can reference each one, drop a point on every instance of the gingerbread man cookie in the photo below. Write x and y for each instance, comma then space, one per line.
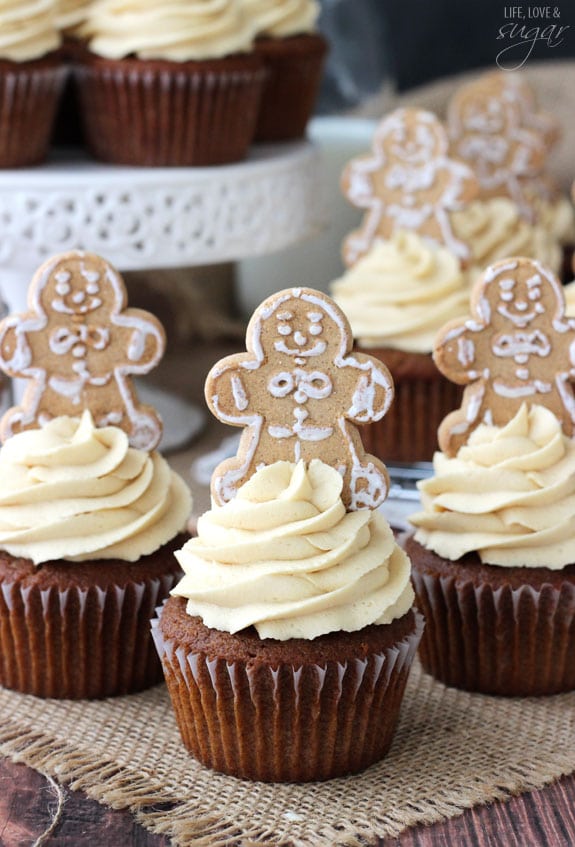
494, 126
78, 347
408, 182
518, 347
299, 392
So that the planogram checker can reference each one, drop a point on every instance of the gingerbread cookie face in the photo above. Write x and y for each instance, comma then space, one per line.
78, 347
408, 182
518, 347
300, 393
494, 126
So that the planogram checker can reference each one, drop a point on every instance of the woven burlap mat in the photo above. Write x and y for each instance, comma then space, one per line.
452, 750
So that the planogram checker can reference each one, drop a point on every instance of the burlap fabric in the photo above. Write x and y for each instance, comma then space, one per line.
452, 750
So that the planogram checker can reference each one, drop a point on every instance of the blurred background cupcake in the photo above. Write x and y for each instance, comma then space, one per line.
293, 52
183, 77
396, 298
31, 79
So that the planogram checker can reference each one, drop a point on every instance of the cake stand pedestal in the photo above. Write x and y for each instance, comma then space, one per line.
146, 218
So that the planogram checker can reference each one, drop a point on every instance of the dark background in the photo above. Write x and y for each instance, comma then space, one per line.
407, 43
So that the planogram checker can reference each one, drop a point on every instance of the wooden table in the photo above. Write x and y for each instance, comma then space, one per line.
29, 804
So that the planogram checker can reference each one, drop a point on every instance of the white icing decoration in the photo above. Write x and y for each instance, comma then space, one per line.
239, 393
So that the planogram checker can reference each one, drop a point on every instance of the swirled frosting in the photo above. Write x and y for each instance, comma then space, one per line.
286, 557
71, 15
177, 30
402, 292
28, 29
494, 230
508, 494
72, 491
558, 218
281, 18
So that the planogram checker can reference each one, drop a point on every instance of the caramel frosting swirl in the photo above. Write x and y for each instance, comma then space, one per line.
281, 18
285, 556
28, 29
402, 292
72, 491
494, 229
177, 30
508, 494
71, 15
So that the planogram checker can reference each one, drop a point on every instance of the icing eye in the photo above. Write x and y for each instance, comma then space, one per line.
79, 297
535, 294
92, 288
284, 329
507, 296
315, 329
62, 288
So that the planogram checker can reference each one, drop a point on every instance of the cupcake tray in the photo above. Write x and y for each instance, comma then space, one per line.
145, 218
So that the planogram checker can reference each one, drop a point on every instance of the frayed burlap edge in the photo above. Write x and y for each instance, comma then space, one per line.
176, 813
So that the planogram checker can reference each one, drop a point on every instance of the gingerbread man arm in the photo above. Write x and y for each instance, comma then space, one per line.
455, 353
227, 389
146, 339
373, 393
16, 358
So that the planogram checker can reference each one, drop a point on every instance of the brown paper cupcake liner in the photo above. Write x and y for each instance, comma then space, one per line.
294, 67
511, 641
287, 723
156, 113
29, 96
79, 642
422, 398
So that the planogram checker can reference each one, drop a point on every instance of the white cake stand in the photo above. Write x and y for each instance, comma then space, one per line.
146, 218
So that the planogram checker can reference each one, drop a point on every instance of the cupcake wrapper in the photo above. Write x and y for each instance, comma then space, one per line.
290, 90
287, 724
408, 432
507, 641
28, 102
153, 116
79, 643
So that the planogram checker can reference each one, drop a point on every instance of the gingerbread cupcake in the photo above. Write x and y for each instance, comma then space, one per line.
493, 554
90, 513
293, 52
184, 77
287, 644
31, 78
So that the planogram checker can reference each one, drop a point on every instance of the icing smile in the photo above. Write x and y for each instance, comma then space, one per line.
318, 348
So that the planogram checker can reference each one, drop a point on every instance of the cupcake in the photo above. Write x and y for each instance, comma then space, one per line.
31, 78
293, 53
88, 521
184, 77
287, 644
494, 229
396, 298
492, 554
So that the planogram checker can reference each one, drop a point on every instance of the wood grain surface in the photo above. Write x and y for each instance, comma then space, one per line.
36, 811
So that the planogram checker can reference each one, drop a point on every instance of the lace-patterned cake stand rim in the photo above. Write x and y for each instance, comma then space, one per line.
144, 218
141, 218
